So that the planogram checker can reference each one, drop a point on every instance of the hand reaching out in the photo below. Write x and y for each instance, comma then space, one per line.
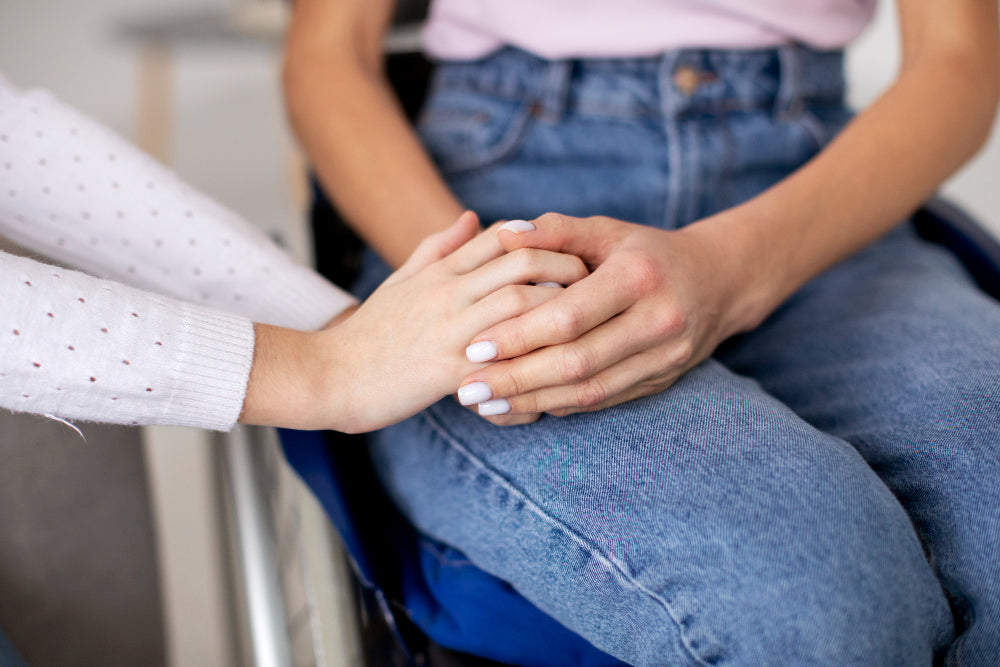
402, 349
656, 304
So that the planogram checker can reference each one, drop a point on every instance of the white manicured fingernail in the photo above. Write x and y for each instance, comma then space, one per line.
548, 284
517, 226
484, 350
500, 406
474, 392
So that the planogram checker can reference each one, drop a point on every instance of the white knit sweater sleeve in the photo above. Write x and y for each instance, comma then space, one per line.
75, 191
78, 347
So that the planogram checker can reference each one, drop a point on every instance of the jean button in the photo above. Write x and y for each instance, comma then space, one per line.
687, 79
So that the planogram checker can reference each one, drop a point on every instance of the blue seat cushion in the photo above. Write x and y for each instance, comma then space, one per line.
456, 604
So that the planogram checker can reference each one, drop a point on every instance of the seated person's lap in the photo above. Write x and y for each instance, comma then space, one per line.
897, 353
706, 521
779, 498
715, 520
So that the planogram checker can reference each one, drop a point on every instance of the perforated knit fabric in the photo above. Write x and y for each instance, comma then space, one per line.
77, 347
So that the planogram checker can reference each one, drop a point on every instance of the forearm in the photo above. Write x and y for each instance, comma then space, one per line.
365, 153
878, 171
77, 192
287, 385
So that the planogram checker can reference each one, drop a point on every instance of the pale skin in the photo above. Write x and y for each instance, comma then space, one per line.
657, 302
401, 350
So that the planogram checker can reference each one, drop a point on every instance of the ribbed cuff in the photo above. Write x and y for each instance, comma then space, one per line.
298, 298
212, 369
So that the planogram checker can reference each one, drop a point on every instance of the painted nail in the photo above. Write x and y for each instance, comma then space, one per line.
548, 284
517, 226
484, 350
474, 392
499, 406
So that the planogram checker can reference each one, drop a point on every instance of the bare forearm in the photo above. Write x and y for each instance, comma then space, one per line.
881, 167
289, 384
365, 153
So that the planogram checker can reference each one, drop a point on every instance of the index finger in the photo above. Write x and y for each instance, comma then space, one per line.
578, 309
482, 248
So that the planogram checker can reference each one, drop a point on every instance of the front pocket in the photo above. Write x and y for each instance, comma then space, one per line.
463, 130
777, 144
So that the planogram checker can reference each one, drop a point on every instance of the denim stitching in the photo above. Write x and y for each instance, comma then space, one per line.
472, 160
608, 561
675, 175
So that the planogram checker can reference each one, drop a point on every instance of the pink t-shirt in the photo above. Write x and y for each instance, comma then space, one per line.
466, 29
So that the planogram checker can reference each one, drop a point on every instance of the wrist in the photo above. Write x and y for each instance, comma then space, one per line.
290, 381
750, 273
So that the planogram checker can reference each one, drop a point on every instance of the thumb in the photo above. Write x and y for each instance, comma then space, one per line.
590, 239
439, 245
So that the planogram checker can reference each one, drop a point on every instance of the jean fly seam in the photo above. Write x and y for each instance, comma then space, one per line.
610, 563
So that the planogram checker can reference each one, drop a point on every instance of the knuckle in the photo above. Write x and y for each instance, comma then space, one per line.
429, 244
515, 342
511, 384
551, 218
577, 363
567, 320
517, 298
683, 353
526, 404
525, 259
509, 336
644, 271
669, 322
591, 393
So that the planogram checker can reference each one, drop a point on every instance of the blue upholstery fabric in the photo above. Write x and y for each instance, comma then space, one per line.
453, 602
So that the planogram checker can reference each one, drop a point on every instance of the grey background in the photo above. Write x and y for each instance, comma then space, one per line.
77, 561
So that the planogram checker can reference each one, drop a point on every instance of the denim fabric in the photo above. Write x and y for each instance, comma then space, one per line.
824, 490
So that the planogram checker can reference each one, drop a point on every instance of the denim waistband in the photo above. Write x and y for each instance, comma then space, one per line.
675, 83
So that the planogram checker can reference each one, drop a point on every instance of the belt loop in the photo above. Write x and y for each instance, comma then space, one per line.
555, 91
788, 101
671, 100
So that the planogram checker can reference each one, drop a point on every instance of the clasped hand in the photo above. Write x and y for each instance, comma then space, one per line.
655, 304
641, 306
402, 349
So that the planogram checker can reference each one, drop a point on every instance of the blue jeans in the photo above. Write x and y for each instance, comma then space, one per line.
824, 490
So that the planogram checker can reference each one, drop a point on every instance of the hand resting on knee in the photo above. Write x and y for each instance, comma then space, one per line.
656, 305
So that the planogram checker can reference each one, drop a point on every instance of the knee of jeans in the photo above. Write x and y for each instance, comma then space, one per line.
812, 558
823, 567
855, 587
